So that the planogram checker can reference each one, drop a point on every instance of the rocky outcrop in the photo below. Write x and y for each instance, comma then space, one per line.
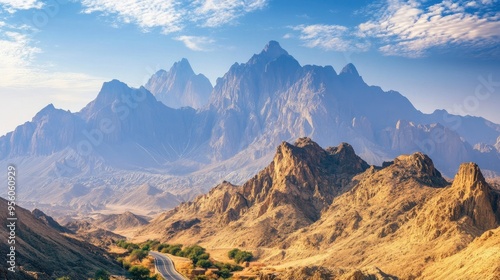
466, 207
473, 198
49, 221
292, 192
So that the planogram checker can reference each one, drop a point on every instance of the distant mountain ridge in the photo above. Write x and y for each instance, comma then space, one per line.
126, 138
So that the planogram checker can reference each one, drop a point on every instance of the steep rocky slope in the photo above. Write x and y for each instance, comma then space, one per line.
287, 195
312, 207
48, 254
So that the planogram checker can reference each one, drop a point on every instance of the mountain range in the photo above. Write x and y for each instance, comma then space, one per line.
317, 213
128, 137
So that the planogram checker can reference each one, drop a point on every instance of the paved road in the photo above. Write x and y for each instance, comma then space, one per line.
165, 267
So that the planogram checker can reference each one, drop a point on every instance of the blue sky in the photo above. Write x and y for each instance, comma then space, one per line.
440, 54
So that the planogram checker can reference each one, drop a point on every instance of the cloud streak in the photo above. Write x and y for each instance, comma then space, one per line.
171, 15
330, 38
11, 6
196, 43
411, 29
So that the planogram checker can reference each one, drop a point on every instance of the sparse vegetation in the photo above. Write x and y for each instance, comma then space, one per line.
239, 256
139, 272
138, 254
135, 261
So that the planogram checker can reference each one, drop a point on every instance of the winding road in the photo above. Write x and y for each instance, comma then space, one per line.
165, 267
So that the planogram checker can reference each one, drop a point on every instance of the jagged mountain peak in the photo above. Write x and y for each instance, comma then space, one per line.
48, 111
349, 69
274, 49
183, 66
49, 107
113, 86
180, 86
271, 52
345, 149
423, 166
469, 175
111, 91
306, 142
305, 161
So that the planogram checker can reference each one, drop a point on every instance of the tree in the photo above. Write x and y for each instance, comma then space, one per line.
64, 278
240, 256
138, 254
101, 274
243, 256
231, 254
139, 272
204, 263
224, 273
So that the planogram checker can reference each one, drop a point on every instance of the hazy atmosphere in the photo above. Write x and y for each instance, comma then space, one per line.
249, 139
436, 53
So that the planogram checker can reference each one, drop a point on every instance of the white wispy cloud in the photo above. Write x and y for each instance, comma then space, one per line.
172, 15
408, 28
330, 37
196, 43
19, 70
165, 14
213, 13
13, 5
411, 28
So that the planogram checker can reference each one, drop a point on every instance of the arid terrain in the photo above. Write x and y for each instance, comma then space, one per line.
326, 212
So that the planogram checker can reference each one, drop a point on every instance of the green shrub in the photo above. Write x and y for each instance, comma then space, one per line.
239, 256
101, 274
138, 254
204, 263
243, 256
138, 272
224, 273
231, 254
